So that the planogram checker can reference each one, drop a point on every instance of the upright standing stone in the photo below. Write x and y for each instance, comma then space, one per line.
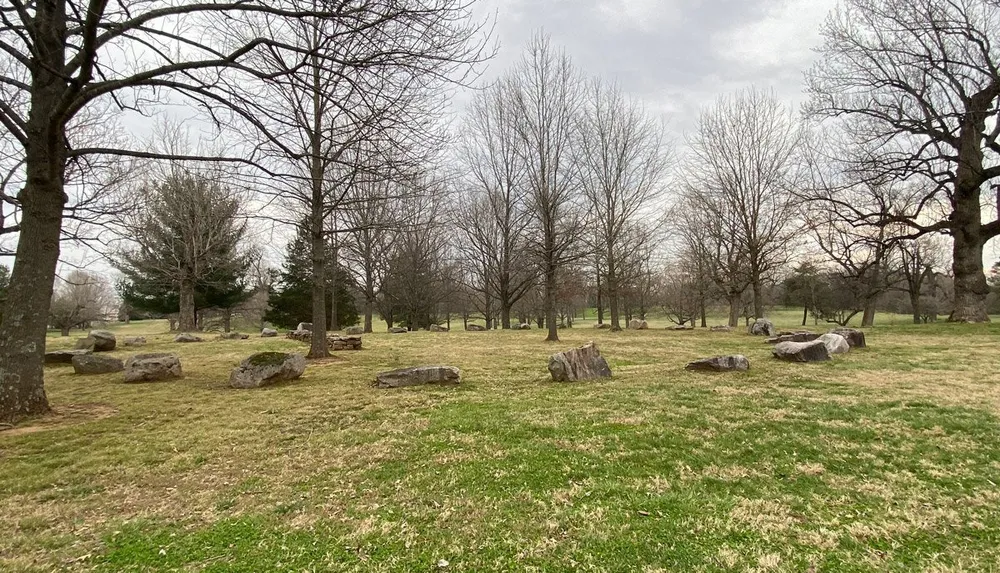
584, 363
761, 327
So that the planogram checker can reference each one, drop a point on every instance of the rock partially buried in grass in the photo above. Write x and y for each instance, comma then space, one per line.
584, 363
814, 351
437, 328
134, 341
266, 368
733, 363
721, 329
636, 324
475, 328
447, 375
233, 336
268, 333
104, 341
603, 326
64, 356
835, 343
398, 330
354, 330
185, 337
96, 364
855, 338
152, 367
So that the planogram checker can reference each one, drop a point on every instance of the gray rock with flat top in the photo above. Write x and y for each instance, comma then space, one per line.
814, 351
268, 333
584, 363
64, 356
732, 363
152, 367
104, 341
835, 343
186, 337
417, 376
96, 364
855, 337
266, 368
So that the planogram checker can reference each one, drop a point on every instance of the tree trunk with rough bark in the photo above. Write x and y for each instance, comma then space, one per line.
188, 321
317, 345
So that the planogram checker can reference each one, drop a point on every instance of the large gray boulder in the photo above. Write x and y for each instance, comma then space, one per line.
814, 351
96, 364
584, 363
152, 367
134, 341
637, 324
855, 338
835, 343
475, 328
437, 328
733, 363
447, 375
265, 368
104, 341
64, 356
186, 337
268, 333
761, 327
354, 330
398, 330
304, 326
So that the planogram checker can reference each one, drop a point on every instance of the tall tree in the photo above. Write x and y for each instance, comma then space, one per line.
188, 236
917, 85
742, 162
80, 299
622, 161
546, 90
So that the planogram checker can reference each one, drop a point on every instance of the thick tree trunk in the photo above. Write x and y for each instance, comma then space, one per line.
734, 309
550, 302
868, 316
915, 305
369, 312
188, 321
971, 287
227, 319
64, 331
758, 297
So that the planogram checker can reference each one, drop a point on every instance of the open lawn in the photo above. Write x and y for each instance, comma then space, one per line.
886, 459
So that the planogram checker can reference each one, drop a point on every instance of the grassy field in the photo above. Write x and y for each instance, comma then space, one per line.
885, 459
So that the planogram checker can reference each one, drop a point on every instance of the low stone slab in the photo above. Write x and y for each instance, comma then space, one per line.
300, 335
721, 329
304, 326
134, 341
96, 364
835, 343
438, 328
682, 327
398, 330
64, 356
801, 336
814, 351
152, 367
417, 376
732, 363
636, 324
344, 342
603, 326
584, 363
856, 338
233, 336
354, 330
104, 341
268, 333
266, 368
185, 337
475, 328
761, 327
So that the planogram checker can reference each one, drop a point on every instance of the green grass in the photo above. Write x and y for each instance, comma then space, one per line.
885, 459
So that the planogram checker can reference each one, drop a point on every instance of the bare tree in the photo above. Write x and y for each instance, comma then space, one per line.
80, 299
742, 163
545, 90
919, 260
917, 85
622, 161
493, 215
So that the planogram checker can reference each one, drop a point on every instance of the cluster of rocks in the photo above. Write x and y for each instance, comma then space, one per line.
823, 347
336, 342
637, 324
98, 341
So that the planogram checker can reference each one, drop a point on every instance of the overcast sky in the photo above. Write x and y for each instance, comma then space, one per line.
678, 55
